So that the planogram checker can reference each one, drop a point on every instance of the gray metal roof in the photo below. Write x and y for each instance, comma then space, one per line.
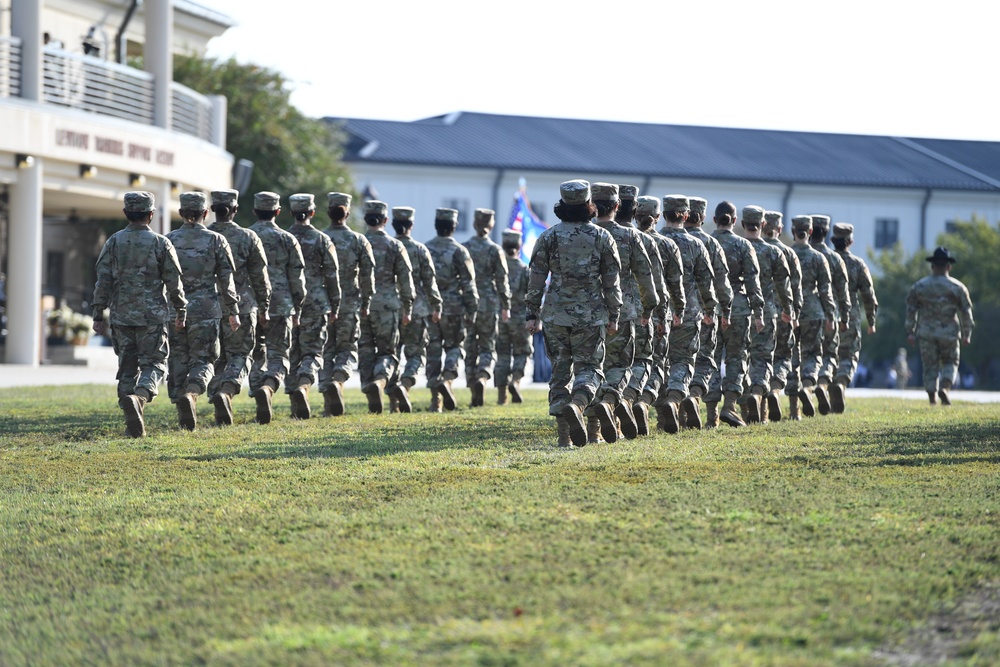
674, 151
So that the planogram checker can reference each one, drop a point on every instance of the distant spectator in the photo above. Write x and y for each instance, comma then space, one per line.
901, 370
968, 379
862, 377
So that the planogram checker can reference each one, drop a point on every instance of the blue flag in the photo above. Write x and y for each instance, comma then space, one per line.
524, 220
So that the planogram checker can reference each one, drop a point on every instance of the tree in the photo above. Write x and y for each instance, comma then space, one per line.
291, 152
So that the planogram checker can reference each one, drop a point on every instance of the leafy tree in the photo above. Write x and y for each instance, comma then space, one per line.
291, 152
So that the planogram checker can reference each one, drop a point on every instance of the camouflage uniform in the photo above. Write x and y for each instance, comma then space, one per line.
456, 278
862, 291
673, 271
357, 285
285, 269
254, 289
426, 302
494, 296
939, 315
784, 331
137, 271
838, 277
513, 340
207, 272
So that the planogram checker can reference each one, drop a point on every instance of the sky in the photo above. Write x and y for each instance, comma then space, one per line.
885, 67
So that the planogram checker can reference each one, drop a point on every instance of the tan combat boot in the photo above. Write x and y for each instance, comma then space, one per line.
763, 410
793, 409
932, 397
401, 397
187, 412
671, 405
435, 400
712, 418
689, 408
447, 396
373, 390
515, 391
805, 397
263, 397
134, 405
223, 403
478, 388
333, 400
822, 397
626, 419
593, 430
755, 412
943, 392
604, 415
573, 414
562, 429
773, 401
502, 395
640, 410
838, 396
299, 400
728, 413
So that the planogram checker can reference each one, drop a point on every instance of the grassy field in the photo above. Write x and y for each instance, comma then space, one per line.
469, 539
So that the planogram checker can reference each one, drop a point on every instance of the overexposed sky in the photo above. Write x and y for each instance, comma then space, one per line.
905, 68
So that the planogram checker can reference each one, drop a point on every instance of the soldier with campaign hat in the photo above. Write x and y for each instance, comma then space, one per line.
582, 305
457, 283
285, 269
494, 304
357, 284
938, 317
862, 291
784, 332
252, 284
139, 280
514, 344
831, 337
426, 302
207, 272
392, 306
320, 308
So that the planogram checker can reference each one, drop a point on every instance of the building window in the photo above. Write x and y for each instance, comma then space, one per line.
462, 206
886, 232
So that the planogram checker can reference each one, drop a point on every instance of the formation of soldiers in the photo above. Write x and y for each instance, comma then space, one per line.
636, 319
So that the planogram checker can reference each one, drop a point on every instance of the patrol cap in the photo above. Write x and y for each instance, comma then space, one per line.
266, 201
802, 223
698, 205
821, 222
225, 197
676, 204
646, 205
376, 207
753, 216
194, 201
446, 215
942, 256
403, 213
575, 192
628, 191
139, 202
772, 219
484, 216
511, 237
604, 191
301, 203
338, 199
842, 230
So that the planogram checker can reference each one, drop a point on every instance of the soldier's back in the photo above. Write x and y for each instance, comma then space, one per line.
283, 256
574, 254
243, 244
135, 255
352, 249
198, 251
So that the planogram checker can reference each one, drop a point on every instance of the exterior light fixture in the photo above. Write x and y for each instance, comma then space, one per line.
136, 180
24, 161
88, 171
175, 188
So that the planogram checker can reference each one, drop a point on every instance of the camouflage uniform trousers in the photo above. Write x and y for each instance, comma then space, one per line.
577, 355
810, 351
940, 359
831, 345
233, 364
784, 340
270, 354
378, 347
685, 341
734, 347
193, 351
849, 351
619, 354
762, 346
658, 364
413, 339
306, 356
142, 357
642, 363
705, 366
513, 349
340, 354
444, 349
481, 345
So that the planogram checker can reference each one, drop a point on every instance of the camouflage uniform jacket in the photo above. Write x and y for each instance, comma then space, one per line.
794, 273
817, 299
585, 289
838, 276
939, 307
639, 296
491, 274
322, 268
744, 271
455, 275
860, 287
206, 271
134, 267
357, 267
252, 283
723, 290
659, 278
775, 278
393, 273
673, 272
284, 268
698, 275
517, 278
428, 298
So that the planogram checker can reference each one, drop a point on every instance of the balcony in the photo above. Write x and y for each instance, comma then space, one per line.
105, 88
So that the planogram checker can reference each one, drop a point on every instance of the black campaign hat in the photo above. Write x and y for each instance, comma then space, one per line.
942, 256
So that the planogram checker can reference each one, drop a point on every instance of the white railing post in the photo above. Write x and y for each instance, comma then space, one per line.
158, 57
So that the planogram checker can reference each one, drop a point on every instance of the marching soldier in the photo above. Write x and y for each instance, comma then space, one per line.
862, 291
514, 344
784, 331
831, 338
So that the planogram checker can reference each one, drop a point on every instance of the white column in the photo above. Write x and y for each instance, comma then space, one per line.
24, 264
165, 206
158, 56
220, 113
26, 23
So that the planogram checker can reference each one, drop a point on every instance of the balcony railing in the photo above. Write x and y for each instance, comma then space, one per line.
90, 84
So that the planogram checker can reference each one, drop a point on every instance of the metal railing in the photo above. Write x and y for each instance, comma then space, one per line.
91, 84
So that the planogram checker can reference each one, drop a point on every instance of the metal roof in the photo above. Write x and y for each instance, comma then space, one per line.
675, 151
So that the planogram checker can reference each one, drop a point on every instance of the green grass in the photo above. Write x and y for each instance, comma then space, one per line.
469, 539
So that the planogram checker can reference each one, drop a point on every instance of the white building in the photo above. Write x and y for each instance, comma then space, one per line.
81, 129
